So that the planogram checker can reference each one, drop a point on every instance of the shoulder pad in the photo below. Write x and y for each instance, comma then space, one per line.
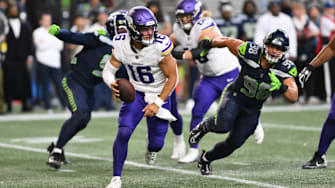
205, 24
164, 44
250, 53
249, 50
286, 69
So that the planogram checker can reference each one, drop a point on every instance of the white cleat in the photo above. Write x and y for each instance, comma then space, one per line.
190, 157
259, 133
179, 148
150, 157
115, 182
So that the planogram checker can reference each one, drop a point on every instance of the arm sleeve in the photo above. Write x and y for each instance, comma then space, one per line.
86, 39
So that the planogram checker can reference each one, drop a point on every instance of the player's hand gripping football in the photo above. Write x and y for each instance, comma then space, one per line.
275, 82
54, 29
305, 74
114, 89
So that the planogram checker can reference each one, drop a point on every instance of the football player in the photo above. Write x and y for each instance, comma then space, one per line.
328, 129
86, 72
153, 72
218, 68
265, 69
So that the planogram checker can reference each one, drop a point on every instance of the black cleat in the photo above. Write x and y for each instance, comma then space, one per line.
56, 159
197, 133
318, 161
205, 166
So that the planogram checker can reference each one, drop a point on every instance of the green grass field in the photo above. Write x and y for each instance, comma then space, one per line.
290, 139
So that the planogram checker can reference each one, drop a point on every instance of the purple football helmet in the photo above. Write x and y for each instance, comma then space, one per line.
188, 7
116, 22
141, 18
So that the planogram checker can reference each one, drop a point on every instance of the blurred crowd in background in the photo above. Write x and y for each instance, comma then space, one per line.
31, 69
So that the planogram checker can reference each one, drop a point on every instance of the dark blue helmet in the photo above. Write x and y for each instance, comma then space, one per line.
279, 40
116, 22
138, 18
192, 7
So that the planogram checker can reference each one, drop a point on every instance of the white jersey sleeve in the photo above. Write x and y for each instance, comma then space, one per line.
164, 44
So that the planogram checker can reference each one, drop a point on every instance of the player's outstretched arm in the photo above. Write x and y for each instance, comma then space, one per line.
325, 54
86, 39
231, 43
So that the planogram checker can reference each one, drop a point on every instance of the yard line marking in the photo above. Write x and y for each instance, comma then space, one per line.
58, 116
291, 127
189, 172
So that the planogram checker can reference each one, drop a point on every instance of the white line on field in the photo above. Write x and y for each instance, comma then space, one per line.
57, 116
189, 172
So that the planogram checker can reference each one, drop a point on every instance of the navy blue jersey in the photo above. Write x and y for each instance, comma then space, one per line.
253, 83
87, 65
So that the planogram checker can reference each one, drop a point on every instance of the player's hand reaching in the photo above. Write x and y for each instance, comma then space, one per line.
150, 110
305, 74
275, 82
54, 29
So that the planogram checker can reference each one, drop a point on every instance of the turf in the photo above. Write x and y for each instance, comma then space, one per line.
276, 162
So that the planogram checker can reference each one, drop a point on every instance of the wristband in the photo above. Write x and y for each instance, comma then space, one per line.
283, 88
310, 67
159, 102
177, 55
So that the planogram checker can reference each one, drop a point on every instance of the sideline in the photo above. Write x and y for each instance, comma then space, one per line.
59, 116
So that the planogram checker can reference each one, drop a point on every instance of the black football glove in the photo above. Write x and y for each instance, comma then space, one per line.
202, 50
177, 54
305, 74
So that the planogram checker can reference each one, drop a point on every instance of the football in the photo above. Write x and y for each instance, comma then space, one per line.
127, 90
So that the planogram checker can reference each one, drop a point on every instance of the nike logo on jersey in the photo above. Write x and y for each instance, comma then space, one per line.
230, 79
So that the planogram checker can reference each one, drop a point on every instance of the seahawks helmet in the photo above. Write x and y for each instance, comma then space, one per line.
192, 7
139, 18
116, 22
279, 40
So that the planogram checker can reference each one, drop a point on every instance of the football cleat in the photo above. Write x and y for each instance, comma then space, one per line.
190, 157
115, 182
204, 165
259, 134
56, 158
178, 147
150, 157
318, 161
197, 133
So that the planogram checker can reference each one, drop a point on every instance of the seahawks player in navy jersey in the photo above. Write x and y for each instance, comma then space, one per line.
264, 70
85, 73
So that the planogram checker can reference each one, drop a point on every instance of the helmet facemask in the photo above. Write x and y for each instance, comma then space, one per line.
190, 9
185, 20
275, 54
